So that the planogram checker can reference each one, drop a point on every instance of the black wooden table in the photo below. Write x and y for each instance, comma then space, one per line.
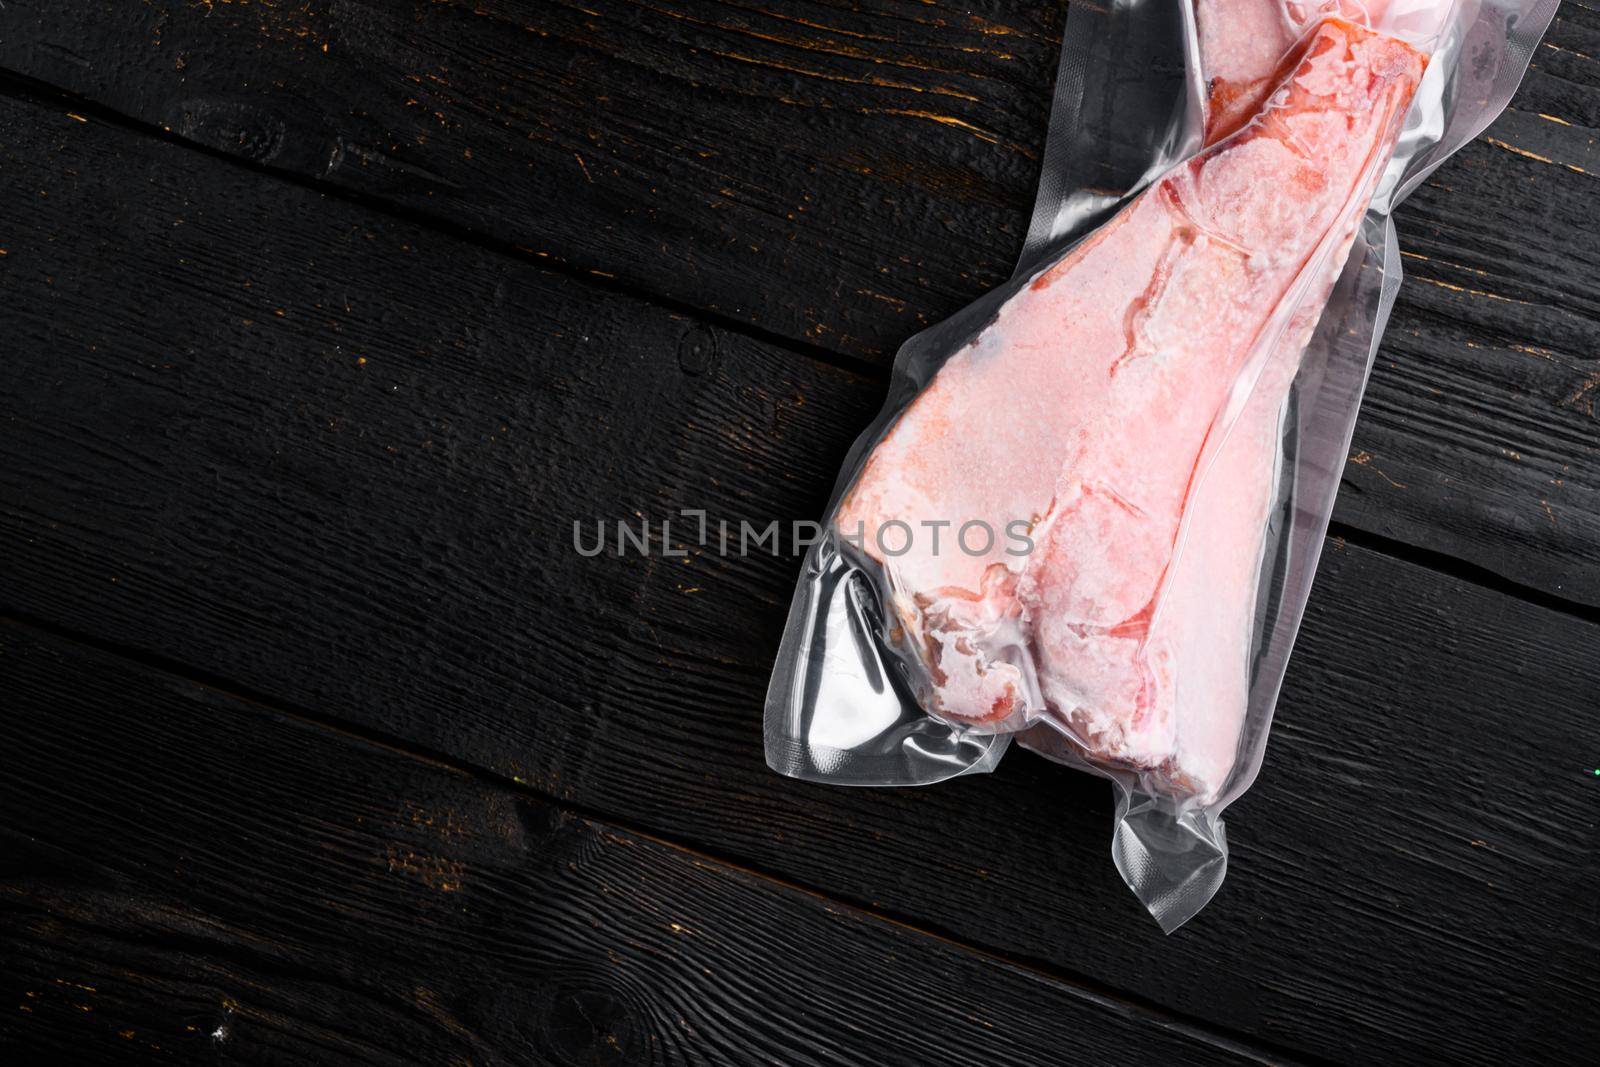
323, 320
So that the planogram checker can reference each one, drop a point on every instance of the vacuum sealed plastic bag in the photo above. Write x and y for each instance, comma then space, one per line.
1089, 514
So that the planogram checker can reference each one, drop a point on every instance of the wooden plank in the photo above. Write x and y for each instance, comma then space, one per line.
335, 459
1488, 374
189, 873
684, 148
879, 159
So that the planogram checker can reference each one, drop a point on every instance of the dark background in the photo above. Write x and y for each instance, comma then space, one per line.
322, 320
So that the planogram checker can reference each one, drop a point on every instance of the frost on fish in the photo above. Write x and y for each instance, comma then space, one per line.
1246, 46
1125, 406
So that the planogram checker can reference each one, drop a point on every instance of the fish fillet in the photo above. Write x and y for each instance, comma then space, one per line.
1088, 411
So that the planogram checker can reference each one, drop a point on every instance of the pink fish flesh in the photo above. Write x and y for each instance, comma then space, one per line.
1246, 46
1108, 409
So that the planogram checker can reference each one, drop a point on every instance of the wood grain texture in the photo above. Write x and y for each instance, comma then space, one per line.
1484, 387
335, 458
843, 174
204, 878
878, 159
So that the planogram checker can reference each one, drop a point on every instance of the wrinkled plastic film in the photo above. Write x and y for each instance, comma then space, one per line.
1128, 102
855, 696
1173, 853
848, 715
1141, 115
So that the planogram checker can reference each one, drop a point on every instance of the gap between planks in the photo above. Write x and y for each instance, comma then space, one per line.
25, 88
1460, 569
1080, 986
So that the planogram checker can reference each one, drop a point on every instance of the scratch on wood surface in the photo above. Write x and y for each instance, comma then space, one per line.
842, 51
990, 29
1533, 155
427, 1000
435, 872
804, 44
1364, 459
881, 83
1473, 292
1452, 264
1534, 350
828, 29
1580, 395
1519, 151
892, 301
950, 120
1567, 51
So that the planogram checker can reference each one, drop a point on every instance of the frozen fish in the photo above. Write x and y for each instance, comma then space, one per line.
1246, 46
1149, 361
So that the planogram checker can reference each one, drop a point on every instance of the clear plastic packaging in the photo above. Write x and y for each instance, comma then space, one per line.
1089, 514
